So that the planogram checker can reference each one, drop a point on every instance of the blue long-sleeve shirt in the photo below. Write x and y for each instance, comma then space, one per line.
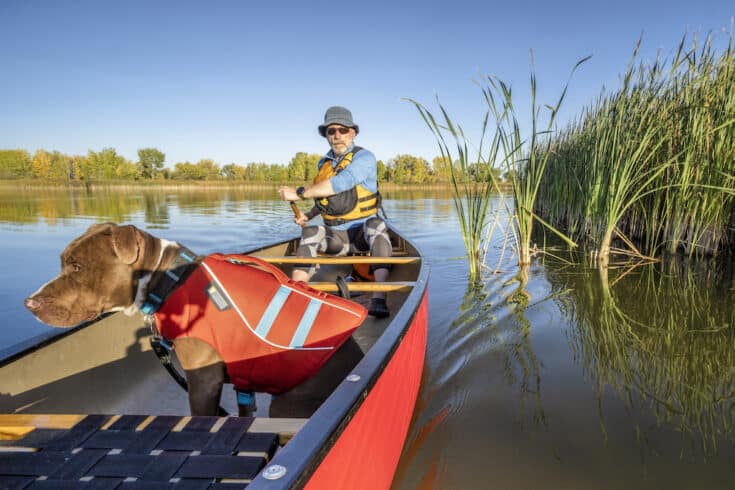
363, 170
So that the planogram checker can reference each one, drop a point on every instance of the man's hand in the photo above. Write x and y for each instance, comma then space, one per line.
287, 193
301, 220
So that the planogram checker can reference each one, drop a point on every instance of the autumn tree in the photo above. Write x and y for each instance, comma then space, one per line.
382, 171
256, 172
302, 167
41, 164
278, 173
150, 162
409, 169
211, 170
188, 171
233, 171
15, 164
441, 169
103, 165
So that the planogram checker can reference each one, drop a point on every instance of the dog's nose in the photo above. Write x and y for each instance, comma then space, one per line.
32, 303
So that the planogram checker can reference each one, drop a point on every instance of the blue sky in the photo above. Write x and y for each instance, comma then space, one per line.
249, 81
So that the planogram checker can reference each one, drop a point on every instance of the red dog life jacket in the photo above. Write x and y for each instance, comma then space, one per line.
273, 333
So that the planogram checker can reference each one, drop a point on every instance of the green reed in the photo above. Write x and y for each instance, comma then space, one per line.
471, 196
520, 158
652, 161
525, 159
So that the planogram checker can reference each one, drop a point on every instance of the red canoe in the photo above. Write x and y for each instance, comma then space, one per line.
343, 428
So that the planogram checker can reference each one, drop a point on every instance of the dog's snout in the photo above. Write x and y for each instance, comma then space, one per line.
33, 303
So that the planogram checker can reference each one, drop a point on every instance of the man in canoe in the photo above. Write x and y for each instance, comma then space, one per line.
345, 193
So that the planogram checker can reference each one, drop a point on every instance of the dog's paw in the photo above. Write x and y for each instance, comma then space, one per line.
131, 310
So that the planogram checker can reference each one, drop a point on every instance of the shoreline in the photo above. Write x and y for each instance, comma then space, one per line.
196, 184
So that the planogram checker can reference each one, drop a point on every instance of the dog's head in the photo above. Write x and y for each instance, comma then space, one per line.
99, 273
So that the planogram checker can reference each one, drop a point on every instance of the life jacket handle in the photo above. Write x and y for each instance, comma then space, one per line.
249, 259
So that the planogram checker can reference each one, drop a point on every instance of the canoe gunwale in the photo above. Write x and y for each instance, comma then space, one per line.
303, 454
26, 347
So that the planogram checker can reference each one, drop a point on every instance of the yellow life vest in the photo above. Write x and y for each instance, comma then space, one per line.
348, 205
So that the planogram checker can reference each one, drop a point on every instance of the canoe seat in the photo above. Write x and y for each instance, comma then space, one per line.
64, 450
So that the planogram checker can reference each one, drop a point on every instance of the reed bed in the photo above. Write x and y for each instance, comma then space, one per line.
652, 162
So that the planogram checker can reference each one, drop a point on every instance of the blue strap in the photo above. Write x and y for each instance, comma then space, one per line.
245, 398
274, 308
151, 305
307, 321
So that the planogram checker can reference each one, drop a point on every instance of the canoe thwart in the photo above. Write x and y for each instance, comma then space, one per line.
349, 259
371, 287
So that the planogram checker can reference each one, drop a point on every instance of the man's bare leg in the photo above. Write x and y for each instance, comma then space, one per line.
300, 275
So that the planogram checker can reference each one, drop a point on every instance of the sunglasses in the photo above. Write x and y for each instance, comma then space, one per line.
333, 131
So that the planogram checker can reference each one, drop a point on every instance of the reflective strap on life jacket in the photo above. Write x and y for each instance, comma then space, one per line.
304, 327
275, 307
272, 312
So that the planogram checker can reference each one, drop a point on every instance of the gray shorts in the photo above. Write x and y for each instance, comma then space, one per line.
372, 236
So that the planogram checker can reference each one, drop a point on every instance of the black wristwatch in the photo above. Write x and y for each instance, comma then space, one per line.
300, 192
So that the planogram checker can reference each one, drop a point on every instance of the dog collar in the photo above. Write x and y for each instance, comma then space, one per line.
177, 271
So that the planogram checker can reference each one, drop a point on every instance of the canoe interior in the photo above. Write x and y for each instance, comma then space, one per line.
108, 367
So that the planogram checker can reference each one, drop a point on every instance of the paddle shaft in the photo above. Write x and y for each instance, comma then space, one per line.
296, 211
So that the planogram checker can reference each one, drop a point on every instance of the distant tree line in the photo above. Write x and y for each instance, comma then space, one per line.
108, 165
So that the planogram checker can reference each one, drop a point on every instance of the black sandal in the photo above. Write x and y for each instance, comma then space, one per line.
378, 308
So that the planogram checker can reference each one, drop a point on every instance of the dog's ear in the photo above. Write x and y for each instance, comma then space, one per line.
126, 241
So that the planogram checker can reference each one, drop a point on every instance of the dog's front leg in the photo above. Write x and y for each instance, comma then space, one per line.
205, 373
205, 388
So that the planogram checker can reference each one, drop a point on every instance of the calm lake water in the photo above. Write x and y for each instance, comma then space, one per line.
565, 378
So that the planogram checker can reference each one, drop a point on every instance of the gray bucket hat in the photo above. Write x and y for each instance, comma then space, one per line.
338, 115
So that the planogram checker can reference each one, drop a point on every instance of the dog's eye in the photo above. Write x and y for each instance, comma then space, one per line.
76, 267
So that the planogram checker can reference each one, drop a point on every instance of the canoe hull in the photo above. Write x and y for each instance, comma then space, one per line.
366, 454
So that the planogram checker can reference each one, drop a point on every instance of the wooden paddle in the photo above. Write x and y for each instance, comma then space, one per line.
296, 211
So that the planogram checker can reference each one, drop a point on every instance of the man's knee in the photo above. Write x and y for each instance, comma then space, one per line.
376, 234
309, 233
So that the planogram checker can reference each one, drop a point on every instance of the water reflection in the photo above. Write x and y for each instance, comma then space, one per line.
31, 205
555, 376
661, 337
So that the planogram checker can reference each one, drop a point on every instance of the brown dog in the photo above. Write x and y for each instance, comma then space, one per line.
111, 268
